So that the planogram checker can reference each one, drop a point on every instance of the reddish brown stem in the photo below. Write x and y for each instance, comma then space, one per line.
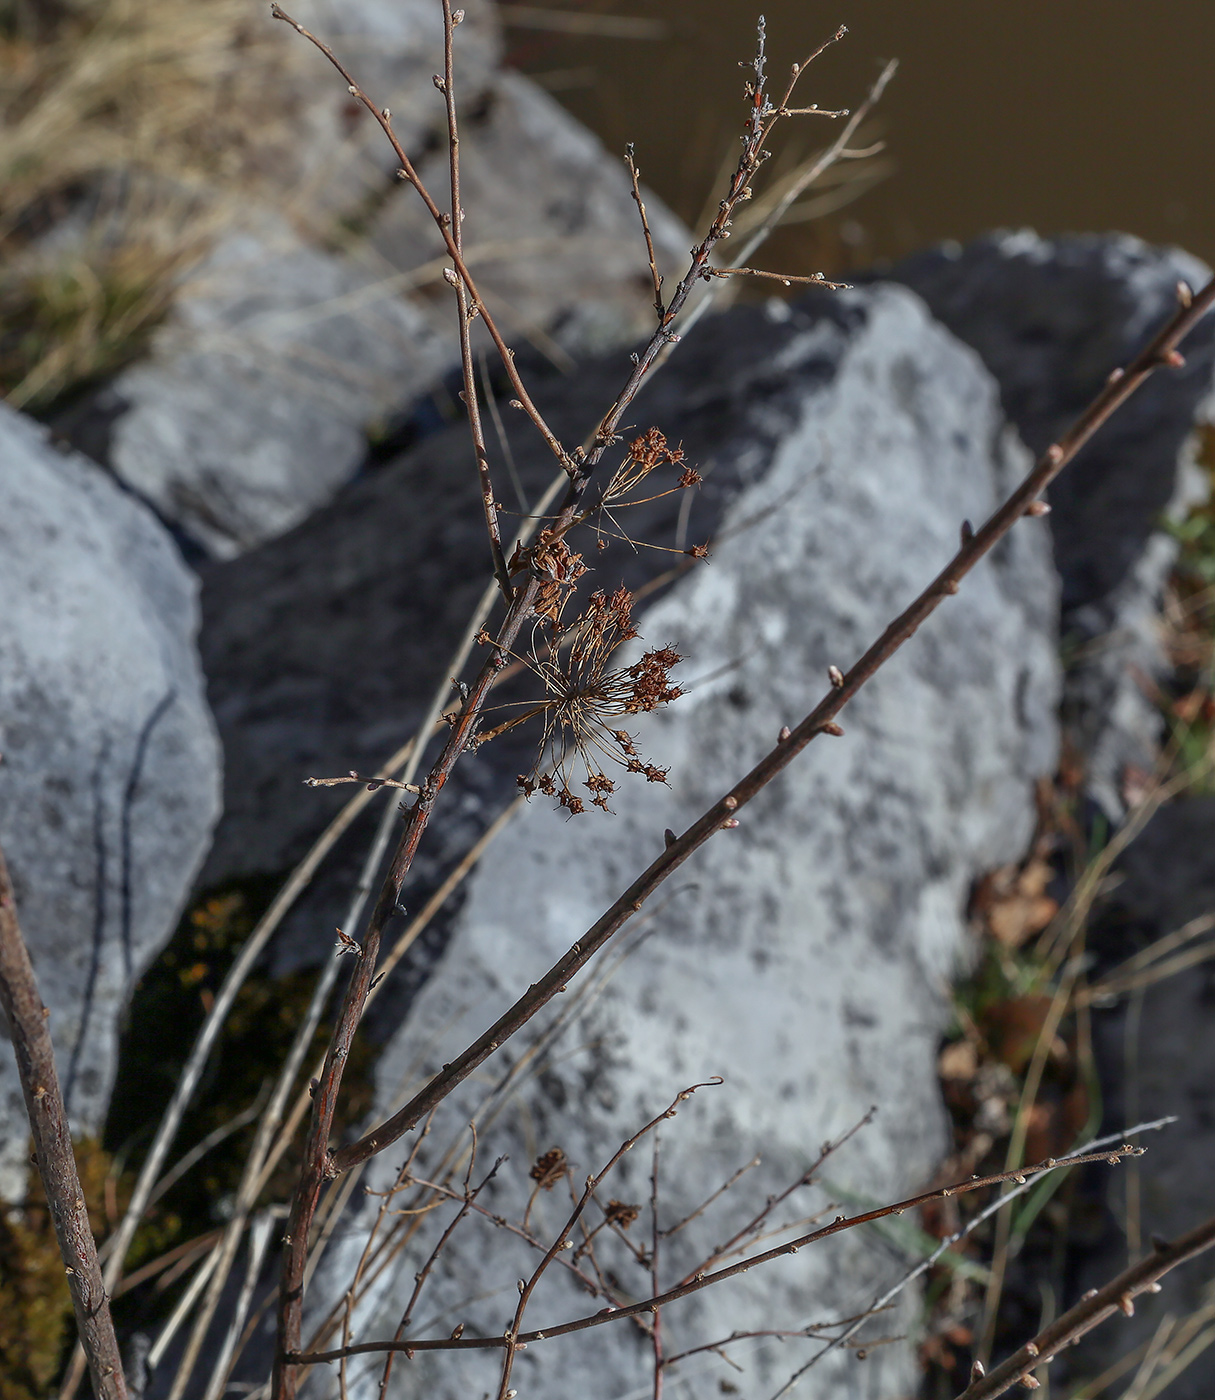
27, 1028
709, 1280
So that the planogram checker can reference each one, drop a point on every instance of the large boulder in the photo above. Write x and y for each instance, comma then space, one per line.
805, 956
109, 784
1051, 318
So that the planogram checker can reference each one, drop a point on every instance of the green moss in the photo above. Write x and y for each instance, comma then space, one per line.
166, 1013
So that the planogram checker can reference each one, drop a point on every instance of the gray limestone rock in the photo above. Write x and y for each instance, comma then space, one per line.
552, 234
803, 956
109, 784
1051, 318
255, 405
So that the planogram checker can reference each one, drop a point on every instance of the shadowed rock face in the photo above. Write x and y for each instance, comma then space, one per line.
1156, 1051
110, 780
1051, 318
803, 956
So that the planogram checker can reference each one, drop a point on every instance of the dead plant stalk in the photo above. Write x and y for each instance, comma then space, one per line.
321, 1164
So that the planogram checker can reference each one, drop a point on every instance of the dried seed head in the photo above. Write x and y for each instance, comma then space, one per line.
621, 1214
549, 1169
584, 695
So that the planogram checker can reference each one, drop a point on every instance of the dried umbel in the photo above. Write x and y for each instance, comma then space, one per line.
584, 698
549, 1169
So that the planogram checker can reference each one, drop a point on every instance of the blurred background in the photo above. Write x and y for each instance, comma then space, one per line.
1063, 117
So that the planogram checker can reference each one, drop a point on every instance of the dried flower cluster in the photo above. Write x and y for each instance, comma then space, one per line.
646, 454
549, 1168
584, 695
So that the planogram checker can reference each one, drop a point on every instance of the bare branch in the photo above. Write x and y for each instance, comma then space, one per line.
708, 1280
1094, 1308
635, 176
27, 1028
1025, 500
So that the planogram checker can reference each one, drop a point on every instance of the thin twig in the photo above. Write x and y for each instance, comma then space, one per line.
655, 276
465, 313
27, 1018
655, 1289
512, 1337
884, 1299
708, 1280
815, 279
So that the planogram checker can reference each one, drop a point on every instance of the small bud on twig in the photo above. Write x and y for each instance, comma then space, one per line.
1185, 294
977, 1371
1037, 508
836, 676
1030, 1382
457, 17
968, 532
835, 730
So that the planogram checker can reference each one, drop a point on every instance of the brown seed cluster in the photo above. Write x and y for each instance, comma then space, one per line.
646, 454
549, 1168
583, 696
621, 1214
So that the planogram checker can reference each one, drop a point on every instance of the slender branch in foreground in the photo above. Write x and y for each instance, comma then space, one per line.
704, 1279
563, 1242
1162, 350
27, 1028
786, 279
1094, 1308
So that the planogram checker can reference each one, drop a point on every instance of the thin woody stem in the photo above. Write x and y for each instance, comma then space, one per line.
27, 1028
821, 720
705, 1280
444, 222
656, 279
466, 314
562, 1242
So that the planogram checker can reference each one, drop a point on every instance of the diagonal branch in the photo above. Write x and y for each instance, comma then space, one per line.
467, 312
704, 1280
821, 720
1094, 1308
